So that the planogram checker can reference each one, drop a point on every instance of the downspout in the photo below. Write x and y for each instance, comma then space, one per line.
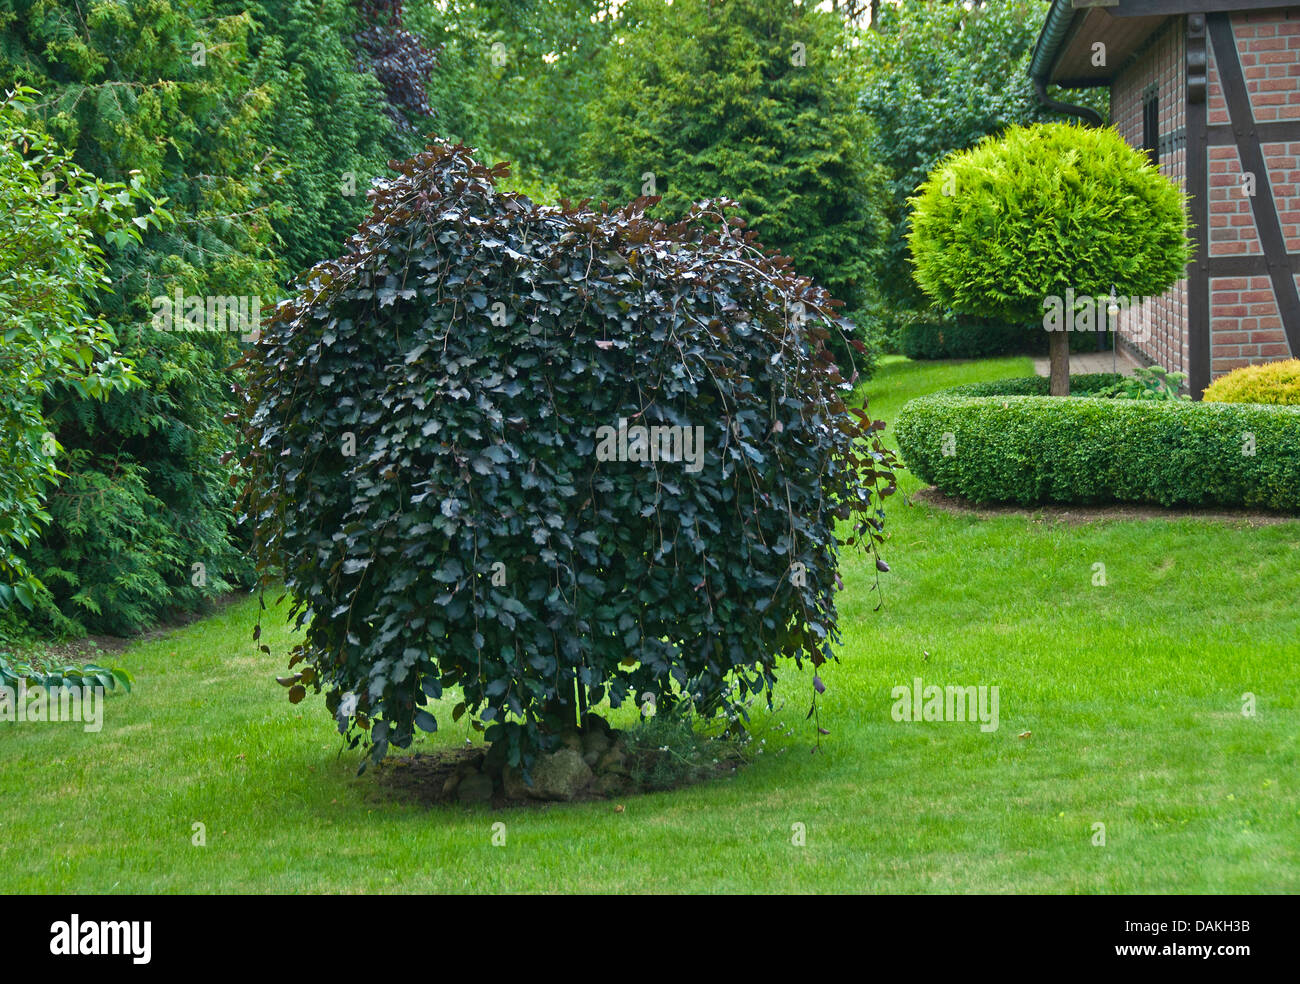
1089, 116
1055, 27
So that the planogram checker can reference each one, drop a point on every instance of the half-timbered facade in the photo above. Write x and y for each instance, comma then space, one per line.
1211, 90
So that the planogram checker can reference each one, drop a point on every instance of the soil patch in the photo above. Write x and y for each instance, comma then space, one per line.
610, 768
99, 648
1075, 515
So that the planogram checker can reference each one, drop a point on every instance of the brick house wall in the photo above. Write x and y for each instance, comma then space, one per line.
1245, 322
1159, 70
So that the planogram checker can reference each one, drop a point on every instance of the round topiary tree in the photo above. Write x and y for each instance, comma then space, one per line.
1049, 212
549, 457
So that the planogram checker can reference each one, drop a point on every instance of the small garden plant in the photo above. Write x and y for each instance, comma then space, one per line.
52, 675
1150, 383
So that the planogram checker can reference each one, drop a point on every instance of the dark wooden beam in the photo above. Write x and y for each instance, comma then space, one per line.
1283, 131
1245, 264
1171, 8
1267, 224
1237, 265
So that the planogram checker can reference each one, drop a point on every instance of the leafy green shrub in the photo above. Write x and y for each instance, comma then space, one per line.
1153, 383
1269, 382
670, 749
1048, 211
122, 91
1027, 449
57, 676
434, 447
961, 338
1150, 383
54, 218
115, 557
1083, 384
938, 335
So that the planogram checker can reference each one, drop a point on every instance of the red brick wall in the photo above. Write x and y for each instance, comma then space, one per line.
1245, 324
1268, 43
1232, 220
1161, 64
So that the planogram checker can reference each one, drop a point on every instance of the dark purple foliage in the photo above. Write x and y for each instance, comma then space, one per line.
397, 58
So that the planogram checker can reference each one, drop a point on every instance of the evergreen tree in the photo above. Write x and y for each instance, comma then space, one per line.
939, 78
750, 100
514, 80
250, 119
327, 123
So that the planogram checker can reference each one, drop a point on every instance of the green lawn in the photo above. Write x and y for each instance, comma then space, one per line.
1131, 692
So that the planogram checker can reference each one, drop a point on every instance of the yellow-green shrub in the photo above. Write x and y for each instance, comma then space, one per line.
1268, 382
1041, 210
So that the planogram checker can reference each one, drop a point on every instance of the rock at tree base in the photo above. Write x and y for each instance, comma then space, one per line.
558, 775
611, 784
475, 789
574, 766
612, 761
594, 743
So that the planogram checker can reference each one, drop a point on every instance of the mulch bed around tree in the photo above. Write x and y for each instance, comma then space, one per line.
435, 778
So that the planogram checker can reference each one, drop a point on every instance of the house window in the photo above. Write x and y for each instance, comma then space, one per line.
1151, 125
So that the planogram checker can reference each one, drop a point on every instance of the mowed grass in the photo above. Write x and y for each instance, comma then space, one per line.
1129, 697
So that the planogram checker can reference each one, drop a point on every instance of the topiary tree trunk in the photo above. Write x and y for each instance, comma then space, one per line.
1058, 354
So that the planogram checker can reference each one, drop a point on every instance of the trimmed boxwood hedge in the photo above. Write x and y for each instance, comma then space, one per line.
1010, 445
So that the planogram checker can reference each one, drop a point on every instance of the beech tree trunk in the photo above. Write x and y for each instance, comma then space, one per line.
1059, 355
